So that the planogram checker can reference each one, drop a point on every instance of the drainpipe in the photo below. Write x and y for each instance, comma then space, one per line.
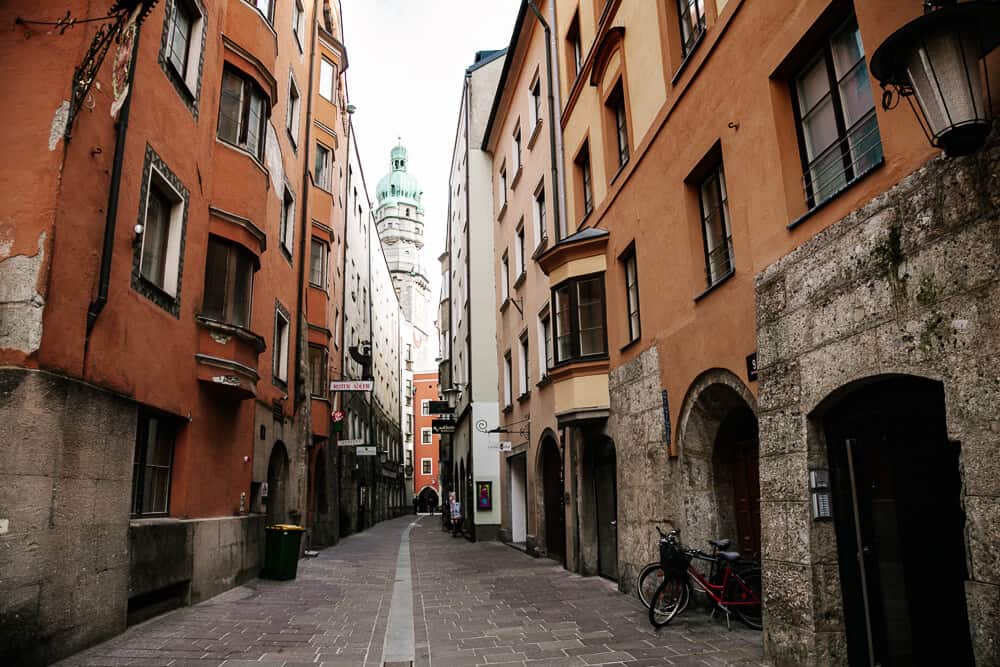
104, 281
550, 71
470, 471
304, 197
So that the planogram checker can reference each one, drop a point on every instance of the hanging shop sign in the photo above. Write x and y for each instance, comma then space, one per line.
352, 442
365, 451
442, 426
439, 408
352, 385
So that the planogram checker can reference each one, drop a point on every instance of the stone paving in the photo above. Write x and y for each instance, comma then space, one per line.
473, 604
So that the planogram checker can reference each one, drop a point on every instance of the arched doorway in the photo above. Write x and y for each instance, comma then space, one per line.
277, 481
605, 481
736, 467
896, 487
552, 500
720, 457
427, 500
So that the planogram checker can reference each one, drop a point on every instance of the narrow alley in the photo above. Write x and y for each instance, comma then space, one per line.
472, 604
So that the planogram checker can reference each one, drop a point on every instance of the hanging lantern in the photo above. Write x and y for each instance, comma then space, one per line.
939, 60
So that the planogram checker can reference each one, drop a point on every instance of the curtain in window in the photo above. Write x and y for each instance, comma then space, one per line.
155, 236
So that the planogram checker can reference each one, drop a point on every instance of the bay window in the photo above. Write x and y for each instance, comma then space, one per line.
229, 273
578, 307
242, 113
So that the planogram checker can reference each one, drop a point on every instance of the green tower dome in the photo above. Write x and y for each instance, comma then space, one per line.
398, 186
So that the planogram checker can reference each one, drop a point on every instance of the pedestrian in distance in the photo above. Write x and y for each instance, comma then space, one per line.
455, 509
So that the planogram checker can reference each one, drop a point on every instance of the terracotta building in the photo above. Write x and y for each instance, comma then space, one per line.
168, 300
426, 443
769, 282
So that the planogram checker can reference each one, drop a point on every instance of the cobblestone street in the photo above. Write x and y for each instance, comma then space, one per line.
472, 604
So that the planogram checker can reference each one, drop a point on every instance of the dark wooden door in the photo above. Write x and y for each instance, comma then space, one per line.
746, 494
555, 516
606, 498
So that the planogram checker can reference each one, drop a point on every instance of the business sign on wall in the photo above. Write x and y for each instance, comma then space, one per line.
352, 385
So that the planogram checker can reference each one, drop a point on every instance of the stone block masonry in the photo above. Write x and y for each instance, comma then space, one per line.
908, 285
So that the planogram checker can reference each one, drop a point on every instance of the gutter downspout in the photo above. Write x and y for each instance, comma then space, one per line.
107, 251
556, 209
304, 196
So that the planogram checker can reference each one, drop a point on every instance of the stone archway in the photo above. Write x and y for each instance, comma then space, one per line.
277, 484
896, 490
427, 499
718, 438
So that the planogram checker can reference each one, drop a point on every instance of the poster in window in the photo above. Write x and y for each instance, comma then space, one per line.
484, 496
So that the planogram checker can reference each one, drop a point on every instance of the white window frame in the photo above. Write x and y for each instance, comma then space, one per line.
515, 149
503, 185
324, 180
324, 260
293, 112
279, 365
298, 21
286, 229
523, 374
192, 69
327, 79
508, 398
538, 215
544, 330
426, 466
426, 436
268, 14
519, 252
425, 407
172, 260
534, 102
504, 277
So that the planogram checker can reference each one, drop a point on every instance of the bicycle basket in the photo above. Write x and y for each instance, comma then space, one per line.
672, 559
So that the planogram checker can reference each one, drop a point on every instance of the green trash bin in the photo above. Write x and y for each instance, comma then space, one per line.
281, 551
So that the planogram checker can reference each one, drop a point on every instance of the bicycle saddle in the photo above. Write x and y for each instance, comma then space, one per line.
730, 556
720, 544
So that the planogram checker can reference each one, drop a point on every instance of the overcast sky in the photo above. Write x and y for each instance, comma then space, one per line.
407, 60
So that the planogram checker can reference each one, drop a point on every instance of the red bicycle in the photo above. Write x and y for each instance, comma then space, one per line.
733, 585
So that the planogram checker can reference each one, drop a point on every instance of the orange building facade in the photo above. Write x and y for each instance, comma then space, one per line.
757, 285
426, 443
170, 305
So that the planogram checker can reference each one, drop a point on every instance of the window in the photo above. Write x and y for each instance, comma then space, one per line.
317, 263
544, 343
184, 43
522, 366
228, 283
516, 151
265, 7
574, 49
691, 14
504, 278
292, 114
426, 467
519, 254
317, 371
242, 113
426, 436
507, 390
536, 103
616, 107
159, 261
327, 74
409, 426
503, 186
578, 306
151, 465
425, 407
287, 223
838, 131
280, 347
631, 294
716, 232
584, 180
541, 229
298, 21
322, 171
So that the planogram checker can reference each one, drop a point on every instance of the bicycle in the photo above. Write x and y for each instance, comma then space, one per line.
732, 589
651, 575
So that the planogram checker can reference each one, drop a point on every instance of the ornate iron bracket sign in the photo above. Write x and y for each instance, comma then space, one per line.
119, 25
521, 428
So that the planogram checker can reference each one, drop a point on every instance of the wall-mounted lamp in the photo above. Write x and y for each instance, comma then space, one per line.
938, 59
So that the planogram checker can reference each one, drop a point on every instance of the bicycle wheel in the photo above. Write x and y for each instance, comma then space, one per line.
649, 579
746, 587
667, 601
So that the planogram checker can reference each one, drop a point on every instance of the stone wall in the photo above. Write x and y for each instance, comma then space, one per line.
65, 484
637, 428
908, 285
